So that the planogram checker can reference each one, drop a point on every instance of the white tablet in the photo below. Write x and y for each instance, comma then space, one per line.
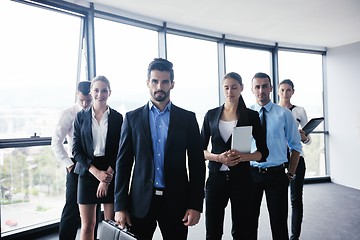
241, 139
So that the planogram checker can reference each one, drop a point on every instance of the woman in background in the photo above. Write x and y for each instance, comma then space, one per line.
95, 146
285, 92
229, 169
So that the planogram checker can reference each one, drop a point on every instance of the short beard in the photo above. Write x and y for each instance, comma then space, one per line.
161, 98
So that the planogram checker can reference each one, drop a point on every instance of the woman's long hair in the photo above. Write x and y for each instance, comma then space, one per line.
241, 111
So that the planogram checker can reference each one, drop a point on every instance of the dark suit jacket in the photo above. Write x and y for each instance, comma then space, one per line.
83, 150
184, 187
210, 128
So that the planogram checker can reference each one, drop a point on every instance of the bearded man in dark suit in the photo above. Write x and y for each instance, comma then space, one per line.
161, 154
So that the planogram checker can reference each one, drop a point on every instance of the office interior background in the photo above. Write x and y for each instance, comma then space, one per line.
48, 46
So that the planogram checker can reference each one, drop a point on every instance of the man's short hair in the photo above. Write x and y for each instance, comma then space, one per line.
84, 87
262, 75
161, 64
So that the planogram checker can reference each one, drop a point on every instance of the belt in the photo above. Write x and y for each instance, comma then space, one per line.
159, 191
270, 169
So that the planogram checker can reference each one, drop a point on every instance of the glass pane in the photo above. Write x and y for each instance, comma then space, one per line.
196, 74
39, 61
32, 187
247, 62
123, 54
315, 156
305, 70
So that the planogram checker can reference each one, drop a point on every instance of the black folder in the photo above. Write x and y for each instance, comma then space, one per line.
312, 124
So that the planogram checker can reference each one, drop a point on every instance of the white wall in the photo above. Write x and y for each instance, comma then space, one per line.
343, 119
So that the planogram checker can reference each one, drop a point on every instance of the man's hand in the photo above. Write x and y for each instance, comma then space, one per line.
191, 217
70, 168
122, 218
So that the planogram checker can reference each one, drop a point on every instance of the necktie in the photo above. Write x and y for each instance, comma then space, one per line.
263, 119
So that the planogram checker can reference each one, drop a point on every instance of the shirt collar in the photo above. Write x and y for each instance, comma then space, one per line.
152, 106
268, 106
106, 112
78, 106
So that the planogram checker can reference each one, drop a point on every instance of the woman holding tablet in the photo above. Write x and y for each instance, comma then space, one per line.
286, 91
229, 170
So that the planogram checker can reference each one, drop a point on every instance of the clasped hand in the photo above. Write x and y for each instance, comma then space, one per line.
104, 176
230, 158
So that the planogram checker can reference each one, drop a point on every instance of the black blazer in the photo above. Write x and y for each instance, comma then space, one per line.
83, 150
184, 187
210, 128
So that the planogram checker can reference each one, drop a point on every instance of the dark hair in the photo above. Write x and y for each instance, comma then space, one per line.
84, 87
262, 75
241, 111
161, 64
287, 81
102, 79
234, 76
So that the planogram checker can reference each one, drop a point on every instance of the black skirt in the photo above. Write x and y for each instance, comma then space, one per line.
88, 185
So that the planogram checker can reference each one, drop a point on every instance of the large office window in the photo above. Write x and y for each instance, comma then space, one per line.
123, 54
247, 62
42, 59
196, 74
306, 71
39, 64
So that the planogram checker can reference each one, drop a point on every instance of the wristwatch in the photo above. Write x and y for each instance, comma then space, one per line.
290, 175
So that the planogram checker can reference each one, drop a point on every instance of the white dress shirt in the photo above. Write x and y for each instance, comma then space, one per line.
301, 118
99, 133
65, 129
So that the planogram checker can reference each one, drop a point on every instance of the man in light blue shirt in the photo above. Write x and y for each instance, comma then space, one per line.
282, 135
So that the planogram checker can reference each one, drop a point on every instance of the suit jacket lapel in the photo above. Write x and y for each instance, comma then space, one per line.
111, 125
216, 123
145, 127
88, 131
174, 118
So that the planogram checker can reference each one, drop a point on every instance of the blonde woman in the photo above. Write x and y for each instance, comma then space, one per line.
96, 143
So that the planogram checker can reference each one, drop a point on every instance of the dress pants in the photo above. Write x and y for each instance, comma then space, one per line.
296, 194
70, 217
222, 186
275, 185
171, 227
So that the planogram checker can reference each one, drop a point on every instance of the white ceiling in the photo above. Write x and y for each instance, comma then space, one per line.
313, 23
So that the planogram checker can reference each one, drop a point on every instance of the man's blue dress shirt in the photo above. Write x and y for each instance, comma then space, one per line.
159, 125
281, 131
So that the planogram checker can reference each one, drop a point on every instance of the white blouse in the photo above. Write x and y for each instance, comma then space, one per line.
226, 128
99, 133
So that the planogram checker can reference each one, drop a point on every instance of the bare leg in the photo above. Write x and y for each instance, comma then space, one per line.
88, 220
109, 211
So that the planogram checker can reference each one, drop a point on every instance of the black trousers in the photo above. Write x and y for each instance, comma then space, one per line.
296, 196
171, 227
70, 217
221, 187
275, 185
